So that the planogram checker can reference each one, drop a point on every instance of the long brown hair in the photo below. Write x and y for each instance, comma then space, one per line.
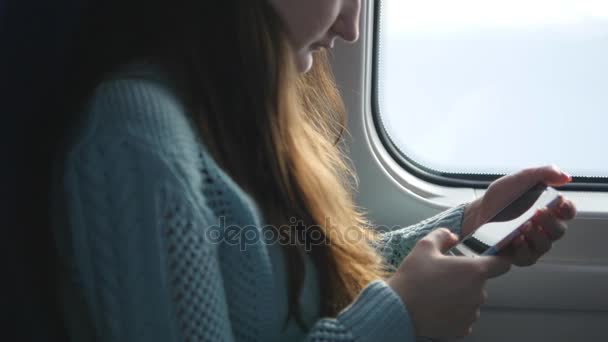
274, 131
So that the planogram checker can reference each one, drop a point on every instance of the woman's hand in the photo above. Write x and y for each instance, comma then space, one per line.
443, 293
547, 225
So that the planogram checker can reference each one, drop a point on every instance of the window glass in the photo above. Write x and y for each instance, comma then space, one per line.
492, 86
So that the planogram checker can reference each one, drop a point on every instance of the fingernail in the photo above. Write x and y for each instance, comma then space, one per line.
568, 176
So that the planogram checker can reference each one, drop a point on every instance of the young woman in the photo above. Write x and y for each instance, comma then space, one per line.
201, 192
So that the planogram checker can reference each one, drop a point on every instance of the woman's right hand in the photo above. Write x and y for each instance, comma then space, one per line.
443, 293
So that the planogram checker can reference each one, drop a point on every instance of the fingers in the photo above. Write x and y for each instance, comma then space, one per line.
476, 316
470, 322
538, 241
522, 255
537, 238
551, 175
465, 323
440, 239
484, 267
552, 226
494, 266
565, 210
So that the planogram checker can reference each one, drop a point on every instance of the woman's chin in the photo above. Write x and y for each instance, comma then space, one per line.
304, 63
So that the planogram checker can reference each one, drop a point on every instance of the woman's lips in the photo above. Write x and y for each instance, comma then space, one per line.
318, 47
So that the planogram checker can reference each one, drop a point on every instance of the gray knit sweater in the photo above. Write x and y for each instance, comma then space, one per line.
141, 223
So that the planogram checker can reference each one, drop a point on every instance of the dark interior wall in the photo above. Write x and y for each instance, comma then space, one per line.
35, 38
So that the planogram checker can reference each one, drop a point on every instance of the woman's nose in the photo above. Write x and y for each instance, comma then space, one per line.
347, 24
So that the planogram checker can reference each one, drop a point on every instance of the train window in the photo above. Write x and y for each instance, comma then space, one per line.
468, 90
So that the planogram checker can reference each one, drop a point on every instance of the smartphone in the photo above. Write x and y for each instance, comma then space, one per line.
491, 237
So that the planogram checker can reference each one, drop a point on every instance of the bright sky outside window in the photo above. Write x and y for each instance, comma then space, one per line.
492, 86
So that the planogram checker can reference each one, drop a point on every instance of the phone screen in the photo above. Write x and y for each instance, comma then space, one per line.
497, 232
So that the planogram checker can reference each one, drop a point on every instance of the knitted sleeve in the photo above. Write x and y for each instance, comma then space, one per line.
395, 245
377, 314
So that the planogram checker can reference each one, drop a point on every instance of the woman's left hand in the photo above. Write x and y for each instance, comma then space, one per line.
545, 227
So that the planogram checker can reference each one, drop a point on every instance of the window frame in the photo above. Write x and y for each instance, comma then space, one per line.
448, 179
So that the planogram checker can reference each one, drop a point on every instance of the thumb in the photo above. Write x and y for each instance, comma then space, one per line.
441, 239
550, 175
494, 266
